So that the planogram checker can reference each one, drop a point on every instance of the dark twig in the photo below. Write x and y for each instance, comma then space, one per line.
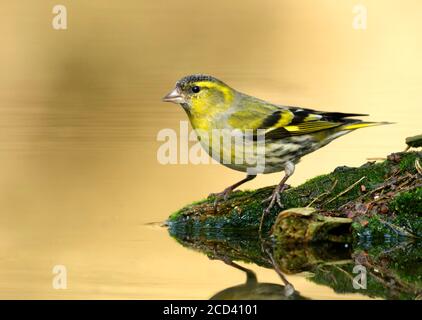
324, 194
345, 191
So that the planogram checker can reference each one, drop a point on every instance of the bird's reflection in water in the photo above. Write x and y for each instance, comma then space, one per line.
254, 290
283, 259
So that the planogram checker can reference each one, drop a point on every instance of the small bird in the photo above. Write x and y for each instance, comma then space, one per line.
288, 132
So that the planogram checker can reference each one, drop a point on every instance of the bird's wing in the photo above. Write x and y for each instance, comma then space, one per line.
307, 121
280, 122
255, 114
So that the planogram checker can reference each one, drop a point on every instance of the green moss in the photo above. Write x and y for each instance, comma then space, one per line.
179, 213
407, 161
408, 210
373, 227
409, 203
243, 209
379, 227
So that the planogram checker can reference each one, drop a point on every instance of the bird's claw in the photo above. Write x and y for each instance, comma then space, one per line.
220, 196
275, 198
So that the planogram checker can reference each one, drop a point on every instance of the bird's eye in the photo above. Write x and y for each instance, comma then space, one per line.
196, 89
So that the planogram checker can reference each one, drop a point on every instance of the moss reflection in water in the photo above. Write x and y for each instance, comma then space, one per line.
393, 269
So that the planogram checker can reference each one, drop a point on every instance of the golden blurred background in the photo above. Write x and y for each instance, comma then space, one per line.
80, 110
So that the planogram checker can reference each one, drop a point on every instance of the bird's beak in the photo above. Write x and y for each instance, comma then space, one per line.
174, 97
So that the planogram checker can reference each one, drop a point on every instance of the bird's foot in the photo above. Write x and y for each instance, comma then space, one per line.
274, 199
220, 196
277, 195
286, 187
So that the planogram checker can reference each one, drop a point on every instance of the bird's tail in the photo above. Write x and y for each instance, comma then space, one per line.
358, 125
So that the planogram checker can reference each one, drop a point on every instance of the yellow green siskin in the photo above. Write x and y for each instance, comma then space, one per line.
288, 133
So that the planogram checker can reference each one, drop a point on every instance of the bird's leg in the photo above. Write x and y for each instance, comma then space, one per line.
288, 287
225, 193
251, 278
289, 169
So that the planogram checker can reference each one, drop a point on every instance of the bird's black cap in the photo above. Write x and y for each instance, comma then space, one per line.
195, 78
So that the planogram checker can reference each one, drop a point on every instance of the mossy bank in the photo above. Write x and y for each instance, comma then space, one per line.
382, 199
